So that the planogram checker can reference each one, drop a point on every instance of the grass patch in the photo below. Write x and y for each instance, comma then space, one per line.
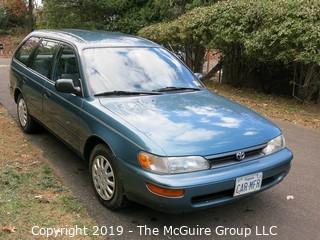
47, 179
276, 107
70, 203
30, 192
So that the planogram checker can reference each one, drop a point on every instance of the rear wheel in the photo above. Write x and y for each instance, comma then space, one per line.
105, 178
26, 122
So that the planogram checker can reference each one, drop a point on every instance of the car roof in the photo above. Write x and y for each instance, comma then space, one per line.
94, 38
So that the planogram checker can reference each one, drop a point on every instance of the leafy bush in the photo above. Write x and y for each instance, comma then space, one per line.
120, 15
116, 15
12, 15
255, 36
281, 30
3, 18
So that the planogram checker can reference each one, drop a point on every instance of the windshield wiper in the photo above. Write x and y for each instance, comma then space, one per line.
127, 93
169, 89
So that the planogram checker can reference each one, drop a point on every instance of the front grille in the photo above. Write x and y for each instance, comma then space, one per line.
225, 159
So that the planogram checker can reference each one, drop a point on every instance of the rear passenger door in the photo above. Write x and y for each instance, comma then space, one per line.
40, 67
64, 109
25, 79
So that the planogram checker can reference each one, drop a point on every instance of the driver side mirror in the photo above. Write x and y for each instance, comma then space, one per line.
67, 86
199, 76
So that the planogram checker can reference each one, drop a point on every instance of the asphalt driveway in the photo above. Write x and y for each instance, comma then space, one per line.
296, 218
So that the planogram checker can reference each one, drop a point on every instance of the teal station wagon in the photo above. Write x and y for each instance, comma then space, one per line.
149, 129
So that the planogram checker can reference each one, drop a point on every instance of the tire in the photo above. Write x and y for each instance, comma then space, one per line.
106, 179
26, 122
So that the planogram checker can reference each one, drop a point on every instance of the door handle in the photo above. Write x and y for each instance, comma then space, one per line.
24, 79
47, 94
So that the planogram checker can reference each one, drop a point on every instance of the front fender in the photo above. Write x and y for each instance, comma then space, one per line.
124, 141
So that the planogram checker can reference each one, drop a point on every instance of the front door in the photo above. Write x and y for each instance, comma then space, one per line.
64, 110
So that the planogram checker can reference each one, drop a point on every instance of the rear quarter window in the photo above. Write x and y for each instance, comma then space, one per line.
24, 52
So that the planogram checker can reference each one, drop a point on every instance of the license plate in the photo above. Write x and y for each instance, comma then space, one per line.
247, 184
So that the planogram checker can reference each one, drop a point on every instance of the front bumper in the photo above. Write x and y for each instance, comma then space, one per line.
203, 189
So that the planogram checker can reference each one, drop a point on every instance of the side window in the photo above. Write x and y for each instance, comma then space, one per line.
43, 59
25, 51
67, 66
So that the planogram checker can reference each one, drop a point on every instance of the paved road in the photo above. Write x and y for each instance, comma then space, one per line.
296, 219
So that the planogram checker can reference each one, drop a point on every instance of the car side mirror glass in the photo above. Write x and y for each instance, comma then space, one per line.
199, 76
67, 86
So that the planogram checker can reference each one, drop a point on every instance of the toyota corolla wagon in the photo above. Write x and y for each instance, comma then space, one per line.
149, 129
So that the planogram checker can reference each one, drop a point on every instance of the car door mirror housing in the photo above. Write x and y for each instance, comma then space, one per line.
199, 76
67, 86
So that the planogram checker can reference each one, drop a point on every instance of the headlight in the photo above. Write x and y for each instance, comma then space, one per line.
172, 165
274, 145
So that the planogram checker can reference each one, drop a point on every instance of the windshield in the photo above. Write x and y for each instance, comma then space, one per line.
135, 69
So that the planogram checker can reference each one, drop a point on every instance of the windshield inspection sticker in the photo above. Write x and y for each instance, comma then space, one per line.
144, 230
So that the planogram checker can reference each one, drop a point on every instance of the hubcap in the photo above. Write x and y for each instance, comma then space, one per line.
22, 112
103, 177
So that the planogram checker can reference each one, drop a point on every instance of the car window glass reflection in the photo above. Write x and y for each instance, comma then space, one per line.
135, 69
24, 53
43, 60
67, 66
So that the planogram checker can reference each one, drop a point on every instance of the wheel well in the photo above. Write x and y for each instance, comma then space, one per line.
90, 144
17, 92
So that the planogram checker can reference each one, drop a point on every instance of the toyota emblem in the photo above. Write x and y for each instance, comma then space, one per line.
240, 155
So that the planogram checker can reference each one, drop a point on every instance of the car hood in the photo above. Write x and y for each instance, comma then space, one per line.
193, 123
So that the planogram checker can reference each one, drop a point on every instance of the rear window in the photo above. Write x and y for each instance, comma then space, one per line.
43, 59
24, 52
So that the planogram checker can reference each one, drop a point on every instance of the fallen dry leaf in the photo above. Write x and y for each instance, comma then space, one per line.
34, 163
290, 197
25, 156
42, 199
45, 197
9, 228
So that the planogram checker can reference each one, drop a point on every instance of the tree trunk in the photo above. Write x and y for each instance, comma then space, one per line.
195, 57
30, 16
232, 66
213, 71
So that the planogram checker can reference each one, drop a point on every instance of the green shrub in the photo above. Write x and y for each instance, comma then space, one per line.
3, 18
259, 34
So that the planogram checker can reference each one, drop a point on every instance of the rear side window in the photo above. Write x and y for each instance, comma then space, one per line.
43, 59
25, 51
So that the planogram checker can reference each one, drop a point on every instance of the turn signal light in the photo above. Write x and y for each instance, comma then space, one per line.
165, 192
144, 160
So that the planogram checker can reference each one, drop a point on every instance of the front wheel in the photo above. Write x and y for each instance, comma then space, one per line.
26, 122
105, 178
